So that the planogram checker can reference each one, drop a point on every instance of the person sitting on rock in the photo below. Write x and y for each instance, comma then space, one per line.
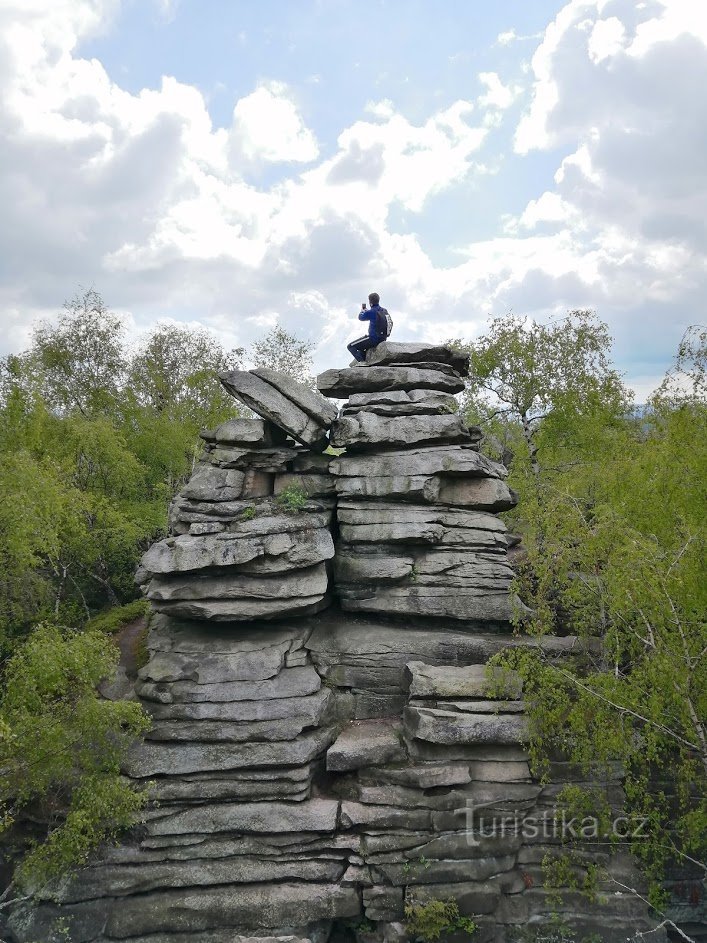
378, 329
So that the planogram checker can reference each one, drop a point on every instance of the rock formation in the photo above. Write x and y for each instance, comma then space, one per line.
326, 742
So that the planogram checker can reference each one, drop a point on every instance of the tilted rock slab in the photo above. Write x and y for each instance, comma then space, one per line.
285, 410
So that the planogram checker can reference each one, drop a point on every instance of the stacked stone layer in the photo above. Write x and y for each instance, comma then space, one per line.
239, 549
417, 501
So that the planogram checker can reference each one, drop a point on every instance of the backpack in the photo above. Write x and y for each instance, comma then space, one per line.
384, 323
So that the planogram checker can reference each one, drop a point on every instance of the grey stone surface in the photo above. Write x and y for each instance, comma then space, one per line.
269, 402
254, 906
364, 743
364, 379
289, 683
245, 432
487, 494
391, 353
312, 708
468, 681
209, 483
316, 815
308, 400
234, 610
452, 459
301, 546
313, 485
160, 759
308, 581
367, 431
272, 459
447, 727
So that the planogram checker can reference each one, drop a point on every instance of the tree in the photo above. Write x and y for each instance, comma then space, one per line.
279, 350
173, 392
523, 372
61, 748
79, 363
614, 536
176, 371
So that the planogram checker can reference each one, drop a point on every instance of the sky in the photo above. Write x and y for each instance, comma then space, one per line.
235, 165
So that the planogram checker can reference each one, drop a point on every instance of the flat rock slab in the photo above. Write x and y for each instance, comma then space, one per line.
245, 432
481, 494
168, 759
308, 581
243, 610
316, 815
433, 460
363, 379
472, 681
368, 431
289, 683
446, 727
304, 545
253, 906
270, 403
391, 353
471, 606
364, 743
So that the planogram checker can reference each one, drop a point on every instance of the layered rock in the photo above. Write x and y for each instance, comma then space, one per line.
417, 501
251, 531
312, 767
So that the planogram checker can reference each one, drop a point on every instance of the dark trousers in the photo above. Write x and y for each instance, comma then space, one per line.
358, 348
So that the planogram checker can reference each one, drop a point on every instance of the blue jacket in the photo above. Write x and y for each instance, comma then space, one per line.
370, 315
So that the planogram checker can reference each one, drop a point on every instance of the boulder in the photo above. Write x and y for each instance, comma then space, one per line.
368, 431
391, 353
266, 400
364, 743
362, 379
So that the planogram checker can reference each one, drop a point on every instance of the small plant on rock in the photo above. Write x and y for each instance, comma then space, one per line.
292, 499
435, 920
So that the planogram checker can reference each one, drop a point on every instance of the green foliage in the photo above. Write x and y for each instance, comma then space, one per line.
293, 499
62, 746
113, 620
612, 512
435, 920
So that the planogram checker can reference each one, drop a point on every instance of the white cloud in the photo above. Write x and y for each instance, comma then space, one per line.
267, 126
497, 95
140, 195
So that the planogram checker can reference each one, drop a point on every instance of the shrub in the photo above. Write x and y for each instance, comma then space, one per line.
438, 918
112, 620
293, 499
